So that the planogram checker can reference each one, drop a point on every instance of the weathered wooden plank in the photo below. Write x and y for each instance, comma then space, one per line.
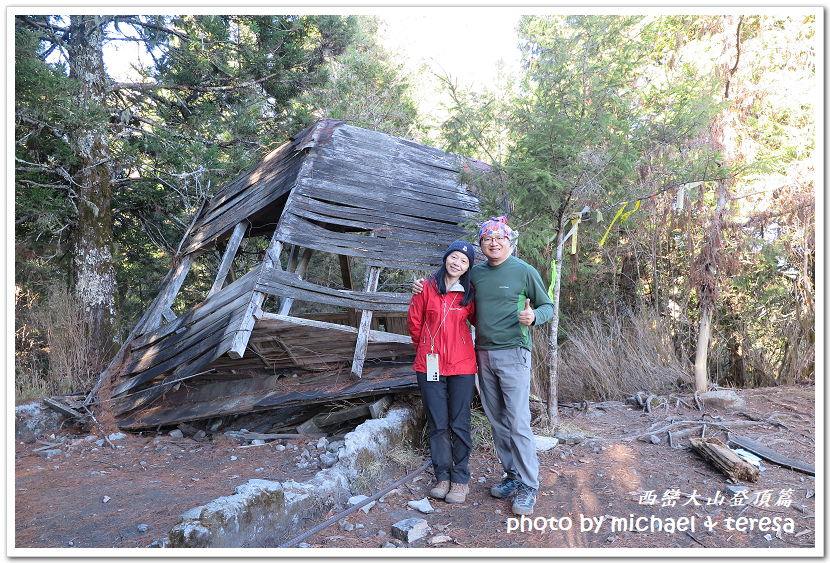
296, 229
374, 142
384, 199
285, 304
278, 282
771, 455
270, 172
227, 259
724, 459
269, 167
165, 348
269, 322
399, 171
207, 307
399, 177
365, 325
221, 219
150, 366
265, 393
191, 363
243, 332
167, 294
415, 228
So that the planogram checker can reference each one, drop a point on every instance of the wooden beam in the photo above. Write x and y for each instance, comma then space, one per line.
243, 333
365, 326
728, 462
166, 295
230, 254
771, 455
286, 302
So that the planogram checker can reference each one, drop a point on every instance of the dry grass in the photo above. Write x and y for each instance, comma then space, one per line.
608, 359
51, 356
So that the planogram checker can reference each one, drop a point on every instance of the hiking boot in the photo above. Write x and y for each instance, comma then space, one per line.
525, 500
506, 488
440, 490
458, 493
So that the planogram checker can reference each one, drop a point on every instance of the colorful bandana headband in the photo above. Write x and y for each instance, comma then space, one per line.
495, 226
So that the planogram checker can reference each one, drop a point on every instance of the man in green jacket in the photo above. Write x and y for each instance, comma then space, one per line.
509, 298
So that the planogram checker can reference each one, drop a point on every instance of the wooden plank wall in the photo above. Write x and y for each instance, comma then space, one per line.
258, 188
407, 195
203, 330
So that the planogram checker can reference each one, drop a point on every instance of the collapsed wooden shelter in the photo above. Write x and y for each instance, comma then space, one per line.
366, 198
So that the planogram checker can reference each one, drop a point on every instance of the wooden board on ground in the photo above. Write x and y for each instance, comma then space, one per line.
728, 462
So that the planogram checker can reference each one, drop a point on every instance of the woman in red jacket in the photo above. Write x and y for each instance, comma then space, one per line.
445, 364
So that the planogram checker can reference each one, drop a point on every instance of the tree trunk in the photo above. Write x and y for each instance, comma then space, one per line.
553, 337
702, 354
708, 291
93, 261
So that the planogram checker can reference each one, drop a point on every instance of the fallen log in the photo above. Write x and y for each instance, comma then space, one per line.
728, 462
771, 455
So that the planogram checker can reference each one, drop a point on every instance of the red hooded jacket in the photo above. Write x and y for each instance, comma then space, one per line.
453, 342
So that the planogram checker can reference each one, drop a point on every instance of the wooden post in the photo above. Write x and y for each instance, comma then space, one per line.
365, 325
227, 259
243, 333
285, 304
166, 296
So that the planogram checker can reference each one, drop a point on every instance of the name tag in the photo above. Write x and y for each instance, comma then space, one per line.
432, 367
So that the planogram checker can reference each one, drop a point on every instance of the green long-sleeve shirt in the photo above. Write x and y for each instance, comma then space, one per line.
500, 293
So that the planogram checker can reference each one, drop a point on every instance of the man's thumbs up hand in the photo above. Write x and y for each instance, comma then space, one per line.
527, 316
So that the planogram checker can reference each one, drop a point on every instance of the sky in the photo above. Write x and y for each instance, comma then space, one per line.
464, 43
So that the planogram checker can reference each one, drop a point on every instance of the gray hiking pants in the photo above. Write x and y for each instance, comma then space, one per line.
504, 381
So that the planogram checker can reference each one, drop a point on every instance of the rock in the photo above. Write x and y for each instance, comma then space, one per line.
106, 499
545, 443
115, 436
422, 505
257, 442
328, 459
143, 528
736, 490
482, 479
335, 444
357, 499
388, 545
438, 539
200, 435
176, 433
570, 439
722, 398
654, 439
359, 526
48, 454
322, 443
279, 447
410, 529
33, 419
347, 526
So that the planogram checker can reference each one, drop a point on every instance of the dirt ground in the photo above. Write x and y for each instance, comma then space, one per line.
609, 491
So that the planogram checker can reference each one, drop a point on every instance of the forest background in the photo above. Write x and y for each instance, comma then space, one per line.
660, 169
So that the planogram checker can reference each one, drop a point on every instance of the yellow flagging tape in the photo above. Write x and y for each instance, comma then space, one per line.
617, 216
552, 279
636, 207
